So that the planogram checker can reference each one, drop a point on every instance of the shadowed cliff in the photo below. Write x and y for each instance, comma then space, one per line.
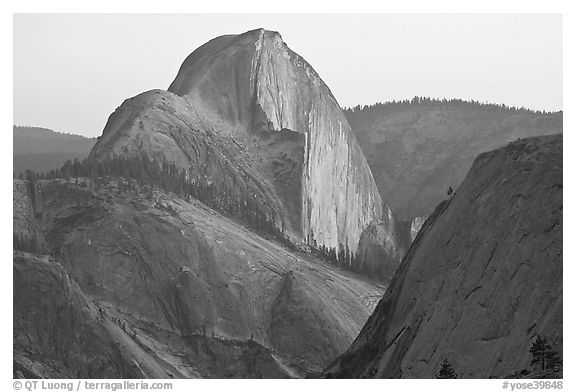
482, 279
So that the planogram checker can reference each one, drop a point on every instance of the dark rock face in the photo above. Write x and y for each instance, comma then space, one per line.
58, 332
481, 280
417, 150
380, 251
190, 291
264, 123
25, 225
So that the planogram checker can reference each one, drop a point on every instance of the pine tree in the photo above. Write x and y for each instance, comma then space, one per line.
542, 354
446, 370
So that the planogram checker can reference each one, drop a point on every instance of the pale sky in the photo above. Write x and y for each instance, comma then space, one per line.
72, 70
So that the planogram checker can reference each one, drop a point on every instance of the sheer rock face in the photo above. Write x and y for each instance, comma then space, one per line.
247, 103
23, 221
252, 83
481, 280
382, 245
206, 297
58, 332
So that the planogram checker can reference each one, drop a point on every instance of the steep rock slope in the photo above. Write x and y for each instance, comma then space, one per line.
58, 332
253, 82
200, 294
274, 120
482, 279
417, 149
26, 228
164, 126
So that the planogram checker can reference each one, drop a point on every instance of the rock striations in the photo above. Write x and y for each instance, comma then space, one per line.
482, 279
181, 290
164, 126
248, 111
252, 83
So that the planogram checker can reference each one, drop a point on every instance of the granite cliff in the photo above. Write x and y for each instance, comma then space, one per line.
482, 279
247, 111
126, 281
59, 333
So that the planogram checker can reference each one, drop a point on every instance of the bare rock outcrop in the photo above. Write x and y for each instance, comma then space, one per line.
59, 333
247, 111
253, 82
481, 280
165, 127
201, 295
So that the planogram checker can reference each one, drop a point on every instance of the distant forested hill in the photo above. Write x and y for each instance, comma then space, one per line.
41, 149
418, 148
